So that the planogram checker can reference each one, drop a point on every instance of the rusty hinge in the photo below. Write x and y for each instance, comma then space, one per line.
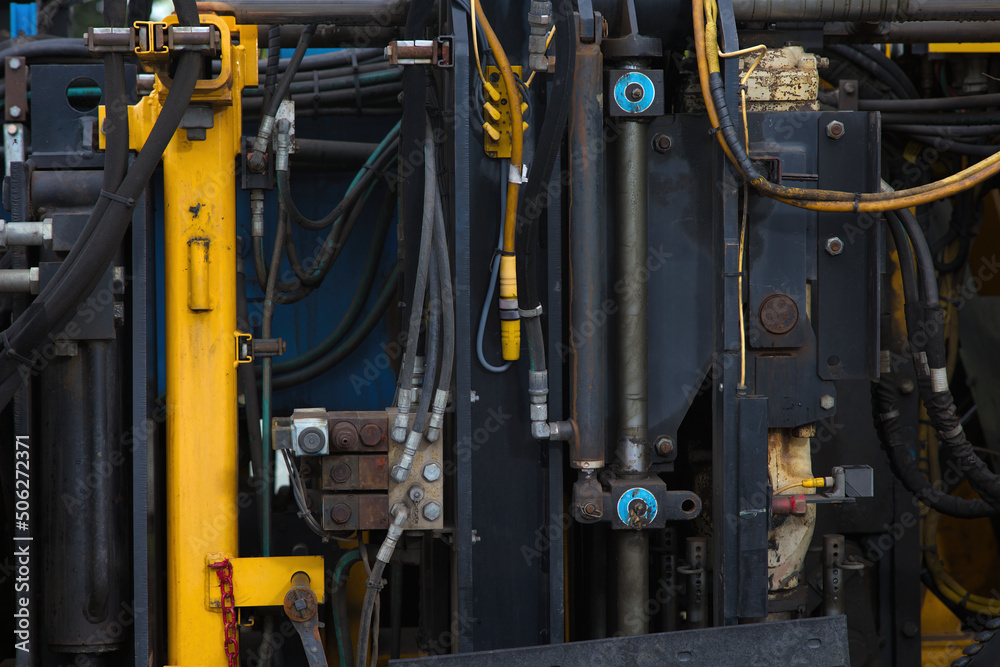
435, 51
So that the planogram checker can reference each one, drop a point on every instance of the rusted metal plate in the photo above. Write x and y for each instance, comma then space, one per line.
340, 512
373, 472
340, 473
373, 511
353, 431
16, 90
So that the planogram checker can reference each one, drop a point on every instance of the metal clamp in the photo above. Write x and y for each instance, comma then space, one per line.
435, 51
244, 347
153, 39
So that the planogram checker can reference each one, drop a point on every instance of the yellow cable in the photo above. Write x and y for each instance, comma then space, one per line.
475, 45
828, 200
510, 329
548, 40
811, 483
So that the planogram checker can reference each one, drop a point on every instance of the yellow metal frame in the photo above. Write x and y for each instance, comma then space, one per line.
263, 582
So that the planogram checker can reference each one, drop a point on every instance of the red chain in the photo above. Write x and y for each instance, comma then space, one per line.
224, 570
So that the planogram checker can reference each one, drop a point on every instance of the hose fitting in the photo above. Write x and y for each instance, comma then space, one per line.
399, 516
402, 423
257, 213
437, 415
282, 145
401, 470
257, 159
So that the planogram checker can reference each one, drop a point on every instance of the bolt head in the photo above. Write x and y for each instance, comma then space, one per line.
834, 246
835, 129
371, 435
432, 511
827, 402
341, 513
340, 473
850, 87
634, 92
661, 143
15, 63
12, 129
300, 604
15, 111
432, 472
906, 386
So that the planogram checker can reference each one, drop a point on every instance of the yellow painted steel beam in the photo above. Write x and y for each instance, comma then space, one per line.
199, 186
263, 582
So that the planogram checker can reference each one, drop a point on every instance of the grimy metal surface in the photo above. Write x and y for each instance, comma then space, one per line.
819, 642
341, 12
864, 10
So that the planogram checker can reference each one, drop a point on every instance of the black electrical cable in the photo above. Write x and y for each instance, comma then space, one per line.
349, 344
83, 269
271, 69
534, 197
932, 103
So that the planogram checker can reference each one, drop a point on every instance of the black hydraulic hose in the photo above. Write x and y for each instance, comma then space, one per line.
333, 59
246, 376
534, 197
346, 154
347, 96
289, 71
907, 267
83, 268
964, 247
285, 190
271, 69
889, 66
63, 47
363, 67
944, 131
932, 103
957, 147
869, 66
930, 364
939, 118
367, 610
332, 247
351, 343
887, 424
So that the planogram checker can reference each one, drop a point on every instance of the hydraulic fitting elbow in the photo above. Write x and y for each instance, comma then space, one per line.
257, 159
437, 415
401, 470
399, 516
510, 318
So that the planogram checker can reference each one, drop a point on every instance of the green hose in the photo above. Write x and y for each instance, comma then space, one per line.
348, 559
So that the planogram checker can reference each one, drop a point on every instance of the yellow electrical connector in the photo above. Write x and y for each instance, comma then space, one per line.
510, 319
496, 112
811, 483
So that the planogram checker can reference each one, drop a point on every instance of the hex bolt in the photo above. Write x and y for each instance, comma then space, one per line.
301, 604
664, 445
827, 402
15, 111
661, 143
311, 441
340, 473
835, 130
850, 87
432, 472
415, 493
371, 435
345, 435
14, 63
834, 246
432, 511
341, 513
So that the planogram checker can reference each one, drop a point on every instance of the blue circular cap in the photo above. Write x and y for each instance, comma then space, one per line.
633, 494
648, 92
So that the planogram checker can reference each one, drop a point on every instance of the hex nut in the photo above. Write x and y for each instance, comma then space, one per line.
835, 129
432, 472
15, 111
664, 445
827, 402
432, 511
834, 246
661, 143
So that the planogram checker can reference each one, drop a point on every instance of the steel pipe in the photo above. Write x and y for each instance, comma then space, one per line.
19, 281
384, 13
633, 581
913, 32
